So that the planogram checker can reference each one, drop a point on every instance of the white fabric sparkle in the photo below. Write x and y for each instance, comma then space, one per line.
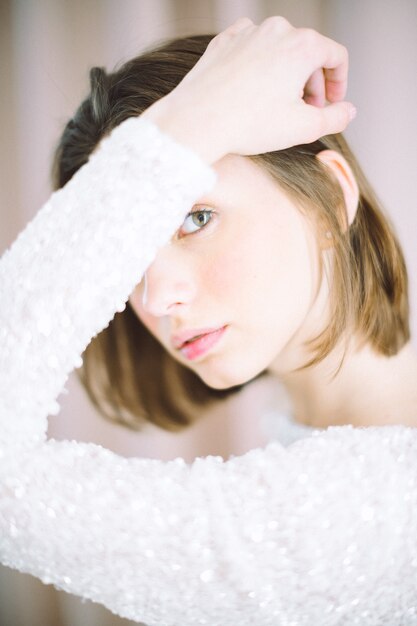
323, 532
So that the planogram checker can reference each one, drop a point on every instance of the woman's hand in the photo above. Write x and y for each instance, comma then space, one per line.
257, 89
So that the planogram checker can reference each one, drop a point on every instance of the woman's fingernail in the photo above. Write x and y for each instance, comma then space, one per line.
352, 112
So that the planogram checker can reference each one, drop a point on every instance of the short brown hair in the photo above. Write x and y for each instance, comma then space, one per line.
128, 375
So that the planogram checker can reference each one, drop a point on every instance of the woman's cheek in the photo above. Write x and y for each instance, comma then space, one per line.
226, 274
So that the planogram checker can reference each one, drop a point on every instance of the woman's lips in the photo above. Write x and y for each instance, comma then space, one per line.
203, 342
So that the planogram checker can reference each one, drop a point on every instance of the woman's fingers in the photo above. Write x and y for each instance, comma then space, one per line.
336, 87
314, 90
336, 67
320, 52
329, 119
327, 83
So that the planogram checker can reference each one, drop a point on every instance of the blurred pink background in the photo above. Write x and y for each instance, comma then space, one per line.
46, 50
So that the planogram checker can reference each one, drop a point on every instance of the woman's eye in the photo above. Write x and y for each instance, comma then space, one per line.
195, 221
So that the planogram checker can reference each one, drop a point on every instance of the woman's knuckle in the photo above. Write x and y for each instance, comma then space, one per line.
276, 22
235, 28
243, 21
344, 52
220, 38
308, 35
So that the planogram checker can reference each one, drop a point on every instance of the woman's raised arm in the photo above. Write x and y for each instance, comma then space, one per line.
80, 258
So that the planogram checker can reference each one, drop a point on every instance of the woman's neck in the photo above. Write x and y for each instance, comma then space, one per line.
369, 390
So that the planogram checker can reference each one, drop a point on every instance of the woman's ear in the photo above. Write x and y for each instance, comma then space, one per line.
341, 170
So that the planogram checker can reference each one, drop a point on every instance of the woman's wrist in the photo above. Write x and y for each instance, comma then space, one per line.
185, 128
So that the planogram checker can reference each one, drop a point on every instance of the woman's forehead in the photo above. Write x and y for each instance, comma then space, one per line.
239, 178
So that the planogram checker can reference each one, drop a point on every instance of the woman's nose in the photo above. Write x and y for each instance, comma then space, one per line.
169, 282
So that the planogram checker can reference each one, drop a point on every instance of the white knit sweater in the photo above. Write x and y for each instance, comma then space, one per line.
321, 533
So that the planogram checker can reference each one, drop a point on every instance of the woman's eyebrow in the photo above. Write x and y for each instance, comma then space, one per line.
204, 200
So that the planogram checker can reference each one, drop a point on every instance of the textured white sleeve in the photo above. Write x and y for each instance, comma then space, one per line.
79, 260
321, 533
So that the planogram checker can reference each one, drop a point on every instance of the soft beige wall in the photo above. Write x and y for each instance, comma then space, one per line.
46, 49
381, 36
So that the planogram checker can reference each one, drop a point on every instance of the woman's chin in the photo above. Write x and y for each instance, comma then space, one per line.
222, 378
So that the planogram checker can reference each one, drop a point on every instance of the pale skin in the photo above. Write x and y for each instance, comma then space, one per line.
248, 259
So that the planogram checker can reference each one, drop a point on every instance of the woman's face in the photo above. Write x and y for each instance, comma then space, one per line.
241, 275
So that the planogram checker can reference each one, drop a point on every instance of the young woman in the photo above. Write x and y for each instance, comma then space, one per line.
233, 265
